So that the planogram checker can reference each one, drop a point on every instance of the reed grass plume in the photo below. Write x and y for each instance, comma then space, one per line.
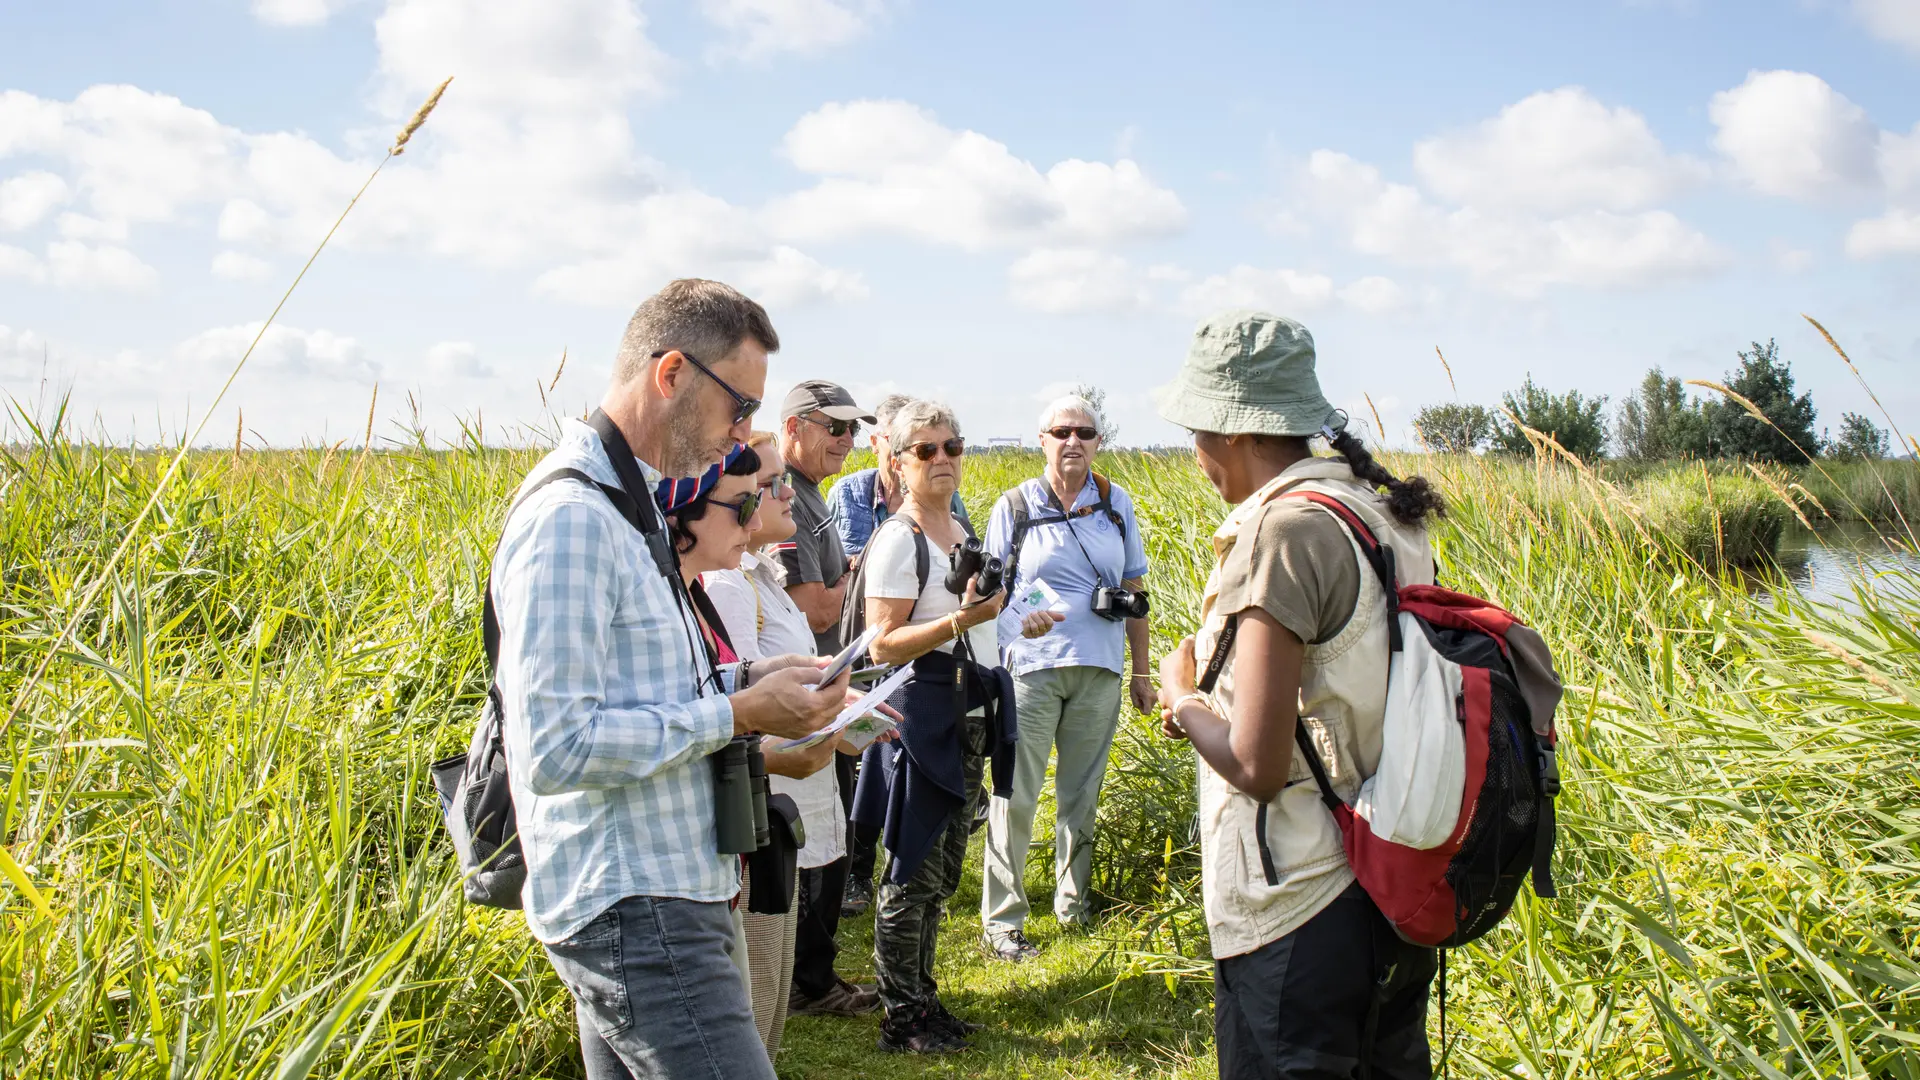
419, 117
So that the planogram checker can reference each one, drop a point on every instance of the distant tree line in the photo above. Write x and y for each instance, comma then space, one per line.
1660, 420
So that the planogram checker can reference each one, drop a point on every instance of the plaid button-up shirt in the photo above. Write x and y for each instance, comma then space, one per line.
608, 721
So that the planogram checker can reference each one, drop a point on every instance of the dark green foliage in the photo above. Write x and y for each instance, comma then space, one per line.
1454, 428
1578, 423
1787, 435
1859, 440
1659, 421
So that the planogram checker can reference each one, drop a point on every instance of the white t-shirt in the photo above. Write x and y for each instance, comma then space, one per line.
891, 576
762, 621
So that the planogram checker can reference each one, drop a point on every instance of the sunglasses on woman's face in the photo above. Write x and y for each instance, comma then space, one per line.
836, 428
743, 406
925, 450
1086, 434
743, 510
778, 487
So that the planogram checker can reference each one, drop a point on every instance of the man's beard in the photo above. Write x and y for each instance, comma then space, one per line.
688, 451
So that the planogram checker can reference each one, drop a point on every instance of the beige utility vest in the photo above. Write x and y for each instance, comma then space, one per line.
1251, 901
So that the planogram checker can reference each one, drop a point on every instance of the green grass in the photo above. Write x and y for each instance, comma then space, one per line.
221, 793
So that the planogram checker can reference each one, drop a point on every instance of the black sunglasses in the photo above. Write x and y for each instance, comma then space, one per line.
925, 450
1086, 434
836, 428
743, 510
743, 406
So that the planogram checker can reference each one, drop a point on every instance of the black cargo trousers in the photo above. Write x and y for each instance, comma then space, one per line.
1341, 998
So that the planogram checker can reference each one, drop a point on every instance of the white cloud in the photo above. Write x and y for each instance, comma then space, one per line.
20, 263
296, 12
23, 353
1281, 291
1788, 133
284, 350
1556, 150
30, 197
457, 360
1896, 232
891, 167
529, 162
1897, 21
1374, 295
1900, 161
1515, 253
239, 266
758, 29
1063, 281
73, 264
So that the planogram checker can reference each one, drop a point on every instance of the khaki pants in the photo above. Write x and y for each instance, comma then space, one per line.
1077, 709
769, 940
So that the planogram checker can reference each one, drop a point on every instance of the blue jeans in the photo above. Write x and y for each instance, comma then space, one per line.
657, 993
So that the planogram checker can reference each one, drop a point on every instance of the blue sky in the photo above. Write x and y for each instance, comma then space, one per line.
984, 202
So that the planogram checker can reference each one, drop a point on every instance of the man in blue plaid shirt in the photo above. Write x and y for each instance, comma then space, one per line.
612, 705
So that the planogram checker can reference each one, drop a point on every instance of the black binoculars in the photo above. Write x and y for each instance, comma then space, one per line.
970, 562
740, 791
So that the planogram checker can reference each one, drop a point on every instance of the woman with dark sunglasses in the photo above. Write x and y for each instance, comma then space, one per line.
954, 720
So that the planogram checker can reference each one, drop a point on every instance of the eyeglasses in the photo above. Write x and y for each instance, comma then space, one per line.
836, 428
743, 510
779, 487
925, 450
743, 406
1086, 434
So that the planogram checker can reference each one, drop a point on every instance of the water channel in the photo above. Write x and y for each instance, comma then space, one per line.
1827, 564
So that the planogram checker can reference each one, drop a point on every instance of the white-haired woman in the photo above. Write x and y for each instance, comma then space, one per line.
1073, 529
953, 707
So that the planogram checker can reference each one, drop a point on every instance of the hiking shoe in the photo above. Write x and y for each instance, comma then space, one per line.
845, 999
915, 1031
940, 1016
1011, 946
857, 898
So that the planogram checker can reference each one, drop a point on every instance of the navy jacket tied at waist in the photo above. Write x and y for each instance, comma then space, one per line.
913, 788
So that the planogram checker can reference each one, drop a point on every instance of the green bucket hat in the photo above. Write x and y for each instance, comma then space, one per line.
1248, 372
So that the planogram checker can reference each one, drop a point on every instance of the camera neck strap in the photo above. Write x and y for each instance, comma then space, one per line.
1024, 524
641, 512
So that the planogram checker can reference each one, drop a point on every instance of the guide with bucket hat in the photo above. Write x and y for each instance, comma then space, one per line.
1354, 812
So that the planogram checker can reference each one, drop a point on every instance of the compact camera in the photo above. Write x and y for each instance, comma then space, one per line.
972, 563
1118, 604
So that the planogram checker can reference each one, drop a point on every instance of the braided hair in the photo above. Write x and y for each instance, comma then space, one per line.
1409, 500
744, 463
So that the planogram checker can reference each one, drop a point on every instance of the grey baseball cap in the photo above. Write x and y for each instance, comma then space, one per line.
1248, 372
819, 395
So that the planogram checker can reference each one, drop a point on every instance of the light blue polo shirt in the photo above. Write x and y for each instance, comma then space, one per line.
1102, 556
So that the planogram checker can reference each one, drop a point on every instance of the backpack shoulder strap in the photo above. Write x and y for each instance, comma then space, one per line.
1379, 556
922, 554
1211, 676
1022, 518
1103, 487
489, 620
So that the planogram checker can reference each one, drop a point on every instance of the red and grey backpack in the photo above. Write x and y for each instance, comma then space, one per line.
1460, 810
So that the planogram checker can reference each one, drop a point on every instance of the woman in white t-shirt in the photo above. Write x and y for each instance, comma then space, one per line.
763, 620
921, 622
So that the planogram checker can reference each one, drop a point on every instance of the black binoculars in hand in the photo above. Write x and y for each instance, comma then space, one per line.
972, 563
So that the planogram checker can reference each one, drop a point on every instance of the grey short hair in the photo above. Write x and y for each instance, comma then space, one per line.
1072, 403
707, 319
915, 415
883, 412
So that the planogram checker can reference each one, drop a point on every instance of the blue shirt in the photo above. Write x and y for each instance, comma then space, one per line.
1075, 558
857, 507
608, 720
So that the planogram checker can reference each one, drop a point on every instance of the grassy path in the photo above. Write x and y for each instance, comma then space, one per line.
1051, 1017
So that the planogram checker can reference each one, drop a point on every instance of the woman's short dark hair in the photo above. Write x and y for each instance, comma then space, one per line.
745, 463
